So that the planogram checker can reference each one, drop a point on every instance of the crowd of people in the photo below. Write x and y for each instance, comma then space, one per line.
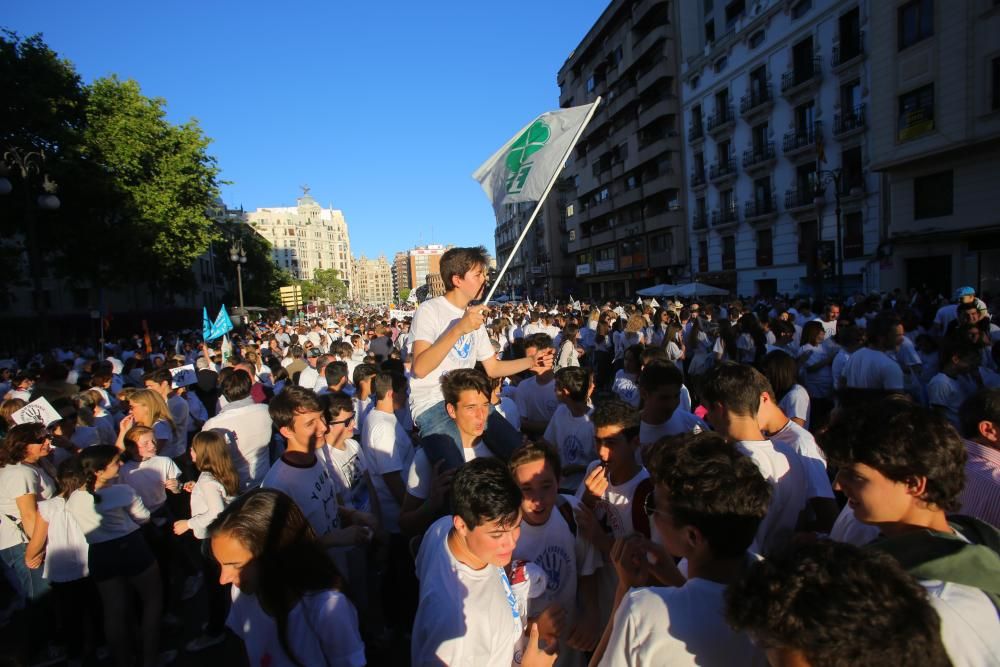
727, 483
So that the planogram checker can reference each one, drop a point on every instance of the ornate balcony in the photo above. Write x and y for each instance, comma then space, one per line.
756, 160
721, 121
851, 122
799, 80
722, 171
756, 103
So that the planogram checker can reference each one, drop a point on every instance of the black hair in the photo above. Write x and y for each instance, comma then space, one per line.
616, 412
736, 386
539, 341
335, 372
483, 491
781, 372
293, 400
840, 605
159, 376
362, 372
659, 374
456, 262
335, 403
237, 385
455, 382
94, 459
575, 381
982, 406
712, 486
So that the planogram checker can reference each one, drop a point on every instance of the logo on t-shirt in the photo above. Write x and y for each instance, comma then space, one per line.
463, 346
511, 598
572, 449
555, 561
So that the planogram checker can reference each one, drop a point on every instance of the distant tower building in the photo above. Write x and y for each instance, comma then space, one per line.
401, 273
372, 281
306, 237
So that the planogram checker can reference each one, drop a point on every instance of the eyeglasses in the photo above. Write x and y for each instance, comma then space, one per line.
649, 505
343, 422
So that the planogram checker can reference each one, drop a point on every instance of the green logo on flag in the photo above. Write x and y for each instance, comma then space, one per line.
530, 142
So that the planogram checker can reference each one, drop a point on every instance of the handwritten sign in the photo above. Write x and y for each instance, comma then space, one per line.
182, 376
39, 411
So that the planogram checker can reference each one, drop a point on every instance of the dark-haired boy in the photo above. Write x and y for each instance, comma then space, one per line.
467, 613
249, 424
535, 396
570, 432
387, 447
660, 385
550, 539
956, 381
980, 419
901, 467
361, 378
731, 392
708, 503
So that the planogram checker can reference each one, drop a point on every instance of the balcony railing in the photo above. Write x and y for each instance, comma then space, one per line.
726, 216
849, 121
796, 198
758, 208
849, 48
696, 132
801, 138
721, 170
756, 99
754, 157
801, 75
697, 179
721, 118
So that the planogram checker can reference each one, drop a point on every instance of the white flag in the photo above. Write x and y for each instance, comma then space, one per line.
522, 169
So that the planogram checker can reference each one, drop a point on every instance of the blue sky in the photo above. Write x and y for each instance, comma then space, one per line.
383, 108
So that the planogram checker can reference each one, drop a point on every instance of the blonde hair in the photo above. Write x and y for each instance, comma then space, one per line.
212, 456
9, 407
636, 322
156, 406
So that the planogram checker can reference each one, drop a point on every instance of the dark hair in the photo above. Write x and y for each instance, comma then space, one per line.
533, 451
781, 371
901, 440
237, 385
456, 262
712, 486
291, 561
483, 491
362, 372
881, 327
575, 381
660, 374
159, 376
15, 443
652, 354
455, 382
335, 403
70, 476
94, 459
811, 331
539, 341
616, 412
736, 386
293, 400
840, 605
984, 405
382, 384
749, 324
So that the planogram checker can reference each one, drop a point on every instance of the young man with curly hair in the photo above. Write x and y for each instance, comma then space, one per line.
708, 501
835, 605
901, 467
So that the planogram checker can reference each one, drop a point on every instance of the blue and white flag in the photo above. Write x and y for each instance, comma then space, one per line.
220, 327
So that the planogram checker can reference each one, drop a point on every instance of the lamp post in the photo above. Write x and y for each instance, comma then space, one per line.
29, 164
825, 177
238, 256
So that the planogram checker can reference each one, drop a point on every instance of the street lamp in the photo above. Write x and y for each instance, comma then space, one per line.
825, 177
238, 256
28, 164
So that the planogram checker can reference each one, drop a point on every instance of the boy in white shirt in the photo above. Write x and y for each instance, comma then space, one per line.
708, 503
731, 392
570, 432
466, 396
467, 613
660, 384
948, 389
361, 379
550, 539
535, 396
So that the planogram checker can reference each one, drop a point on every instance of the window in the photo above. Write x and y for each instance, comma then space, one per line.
631, 182
854, 236
808, 236
916, 113
995, 93
933, 195
734, 10
849, 31
757, 39
590, 84
710, 32
570, 212
915, 22
572, 235
663, 242
703, 255
851, 169
800, 8
728, 253
720, 64
765, 251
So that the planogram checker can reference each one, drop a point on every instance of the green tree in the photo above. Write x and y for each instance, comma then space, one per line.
331, 287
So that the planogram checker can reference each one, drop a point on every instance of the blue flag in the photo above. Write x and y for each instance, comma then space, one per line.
206, 325
220, 327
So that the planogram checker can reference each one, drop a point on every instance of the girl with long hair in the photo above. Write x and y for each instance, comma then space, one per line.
147, 408
288, 604
781, 371
567, 355
752, 342
816, 372
120, 561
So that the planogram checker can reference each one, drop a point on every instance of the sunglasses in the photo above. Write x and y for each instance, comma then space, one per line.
649, 505
343, 422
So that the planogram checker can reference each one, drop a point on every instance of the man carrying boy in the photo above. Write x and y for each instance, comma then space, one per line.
570, 432
732, 395
467, 613
448, 333
708, 502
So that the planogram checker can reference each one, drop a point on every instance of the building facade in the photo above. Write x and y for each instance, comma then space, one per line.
372, 281
780, 190
936, 94
621, 195
306, 237
401, 273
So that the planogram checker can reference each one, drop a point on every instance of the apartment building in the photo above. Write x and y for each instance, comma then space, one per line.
778, 143
305, 237
936, 95
620, 202
371, 281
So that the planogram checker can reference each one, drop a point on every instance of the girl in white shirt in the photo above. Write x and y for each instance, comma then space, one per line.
286, 599
216, 487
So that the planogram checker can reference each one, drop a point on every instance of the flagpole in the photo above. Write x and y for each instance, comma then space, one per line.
545, 193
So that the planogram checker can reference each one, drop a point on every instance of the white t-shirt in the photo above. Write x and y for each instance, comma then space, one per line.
573, 438
208, 499
970, 628
680, 422
249, 427
86, 436
16, 480
348, 467
148, 477
949, 393
678, 626
312, 488
387, 448
783, 470
626, 387
322, 629
848, 529
796, 403
813, 460
816, 373
118, 514
421, 473
362, 406
434, 317
66, 550
536, 402
465, 616
873, 369
508, 410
